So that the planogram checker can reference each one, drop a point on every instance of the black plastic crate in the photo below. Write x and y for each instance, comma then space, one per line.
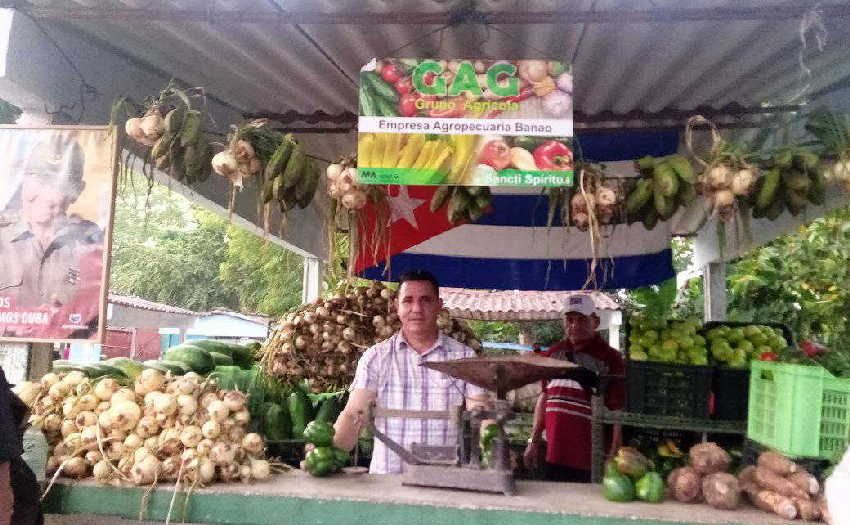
731, 387
668, 389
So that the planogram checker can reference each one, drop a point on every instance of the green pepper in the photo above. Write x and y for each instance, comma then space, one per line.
298, 406
319, 433
320, 461
341, 457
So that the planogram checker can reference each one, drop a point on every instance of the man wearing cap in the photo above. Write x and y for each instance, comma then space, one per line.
40, 253
563, 408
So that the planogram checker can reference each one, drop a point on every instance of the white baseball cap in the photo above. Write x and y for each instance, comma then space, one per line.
581, 303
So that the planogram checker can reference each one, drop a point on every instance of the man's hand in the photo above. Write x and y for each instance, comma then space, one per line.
531, 456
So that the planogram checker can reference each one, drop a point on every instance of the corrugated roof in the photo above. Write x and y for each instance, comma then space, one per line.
144, 304
514, 305
251, 54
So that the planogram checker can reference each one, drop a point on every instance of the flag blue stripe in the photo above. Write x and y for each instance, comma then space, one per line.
627, 145
632, 271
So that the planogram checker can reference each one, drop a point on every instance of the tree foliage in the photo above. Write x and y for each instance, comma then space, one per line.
166, 250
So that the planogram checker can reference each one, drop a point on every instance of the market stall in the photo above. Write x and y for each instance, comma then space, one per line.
613, 198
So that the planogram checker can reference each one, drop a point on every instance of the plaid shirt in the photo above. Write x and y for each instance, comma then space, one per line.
391, 370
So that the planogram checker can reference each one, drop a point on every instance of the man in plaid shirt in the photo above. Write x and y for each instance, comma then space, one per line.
390, 374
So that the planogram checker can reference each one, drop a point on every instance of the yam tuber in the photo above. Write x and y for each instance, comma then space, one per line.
770, 480
824, 510
721, 490
807, 509
685, 485
747, 475
805, 481
777, 463
708, 458
778, 504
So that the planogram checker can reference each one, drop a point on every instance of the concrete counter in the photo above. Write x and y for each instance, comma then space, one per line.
299, 499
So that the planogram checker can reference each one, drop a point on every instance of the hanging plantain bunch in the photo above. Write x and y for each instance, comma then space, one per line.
290, 178
462, 203
793, 178
172, 127
665, 185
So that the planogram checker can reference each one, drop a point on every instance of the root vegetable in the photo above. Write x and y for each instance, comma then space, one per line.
165, 404
102, 471
721, 490
169, 468
68, 426
719, 177
151, 443
772, 502
743, 182
253, 444
75, 467
235, 434
49, 379
208, 398
74, 378
808, 510
225, 164
152, 125
204, 447
685, 485
222, 454
133, 441
805, 481
206, 471
234, 400
102, 407
770, 480
186, 405
149, 380
218, 411
93, 456
144, 472
243, 417
708, 458
88, 437
124, 415
123, 394
191, 436
105, 388
245, 472
211, 429
260, 469
777, 463
28, 392
229, 471
147, 427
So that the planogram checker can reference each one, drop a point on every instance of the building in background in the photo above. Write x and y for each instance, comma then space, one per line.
229, 326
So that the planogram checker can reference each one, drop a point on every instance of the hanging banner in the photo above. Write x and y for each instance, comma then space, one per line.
56, 199
465, 123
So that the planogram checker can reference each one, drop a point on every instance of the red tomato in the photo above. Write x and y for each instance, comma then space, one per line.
495, 153
407, 105
553, 155
768, 356
404, 86
390, 73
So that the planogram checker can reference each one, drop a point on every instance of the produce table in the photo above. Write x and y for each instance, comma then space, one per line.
602, 416
298, 499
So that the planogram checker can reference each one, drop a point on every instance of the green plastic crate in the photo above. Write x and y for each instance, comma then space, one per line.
801, 411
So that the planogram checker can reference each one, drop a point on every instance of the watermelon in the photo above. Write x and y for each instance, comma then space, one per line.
198, 359
221, 359
241, 355
128, 367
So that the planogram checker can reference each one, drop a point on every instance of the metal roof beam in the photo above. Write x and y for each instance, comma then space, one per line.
371, 18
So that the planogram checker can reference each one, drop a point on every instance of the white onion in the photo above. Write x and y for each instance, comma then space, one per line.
191, 436
149, 380
133, 441
93, 456
218, 411
245, 472
186, 404
234, 400
105, 388
211, 429
67, 426
253, 444
102, 471
147, 427
123, 394
144, 472
75, 467
206, 471
124, 415
260, 469
243, 417
209, 397
165, 404
204, 447
49, 379
222, 454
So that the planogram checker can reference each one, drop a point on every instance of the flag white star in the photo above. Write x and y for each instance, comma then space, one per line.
402, 206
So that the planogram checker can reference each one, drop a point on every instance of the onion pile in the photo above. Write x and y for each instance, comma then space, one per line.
163, 428
322, 341
342, 184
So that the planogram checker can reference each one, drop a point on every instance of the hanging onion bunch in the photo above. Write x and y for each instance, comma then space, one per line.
342, 184
173, 128
249, 146
322, 341
727, 181
162, 428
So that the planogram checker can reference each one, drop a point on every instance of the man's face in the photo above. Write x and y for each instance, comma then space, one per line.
42, 204
580, 328
418, 306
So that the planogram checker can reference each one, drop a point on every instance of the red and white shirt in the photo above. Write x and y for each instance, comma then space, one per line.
567, 409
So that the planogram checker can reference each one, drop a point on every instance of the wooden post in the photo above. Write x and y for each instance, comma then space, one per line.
40, 358
714, 285
597, 439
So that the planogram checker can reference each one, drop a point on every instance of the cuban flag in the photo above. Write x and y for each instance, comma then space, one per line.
511, 247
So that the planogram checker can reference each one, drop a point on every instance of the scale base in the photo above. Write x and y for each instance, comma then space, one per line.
483, 480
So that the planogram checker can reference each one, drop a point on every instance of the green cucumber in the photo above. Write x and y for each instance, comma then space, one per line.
379, 87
